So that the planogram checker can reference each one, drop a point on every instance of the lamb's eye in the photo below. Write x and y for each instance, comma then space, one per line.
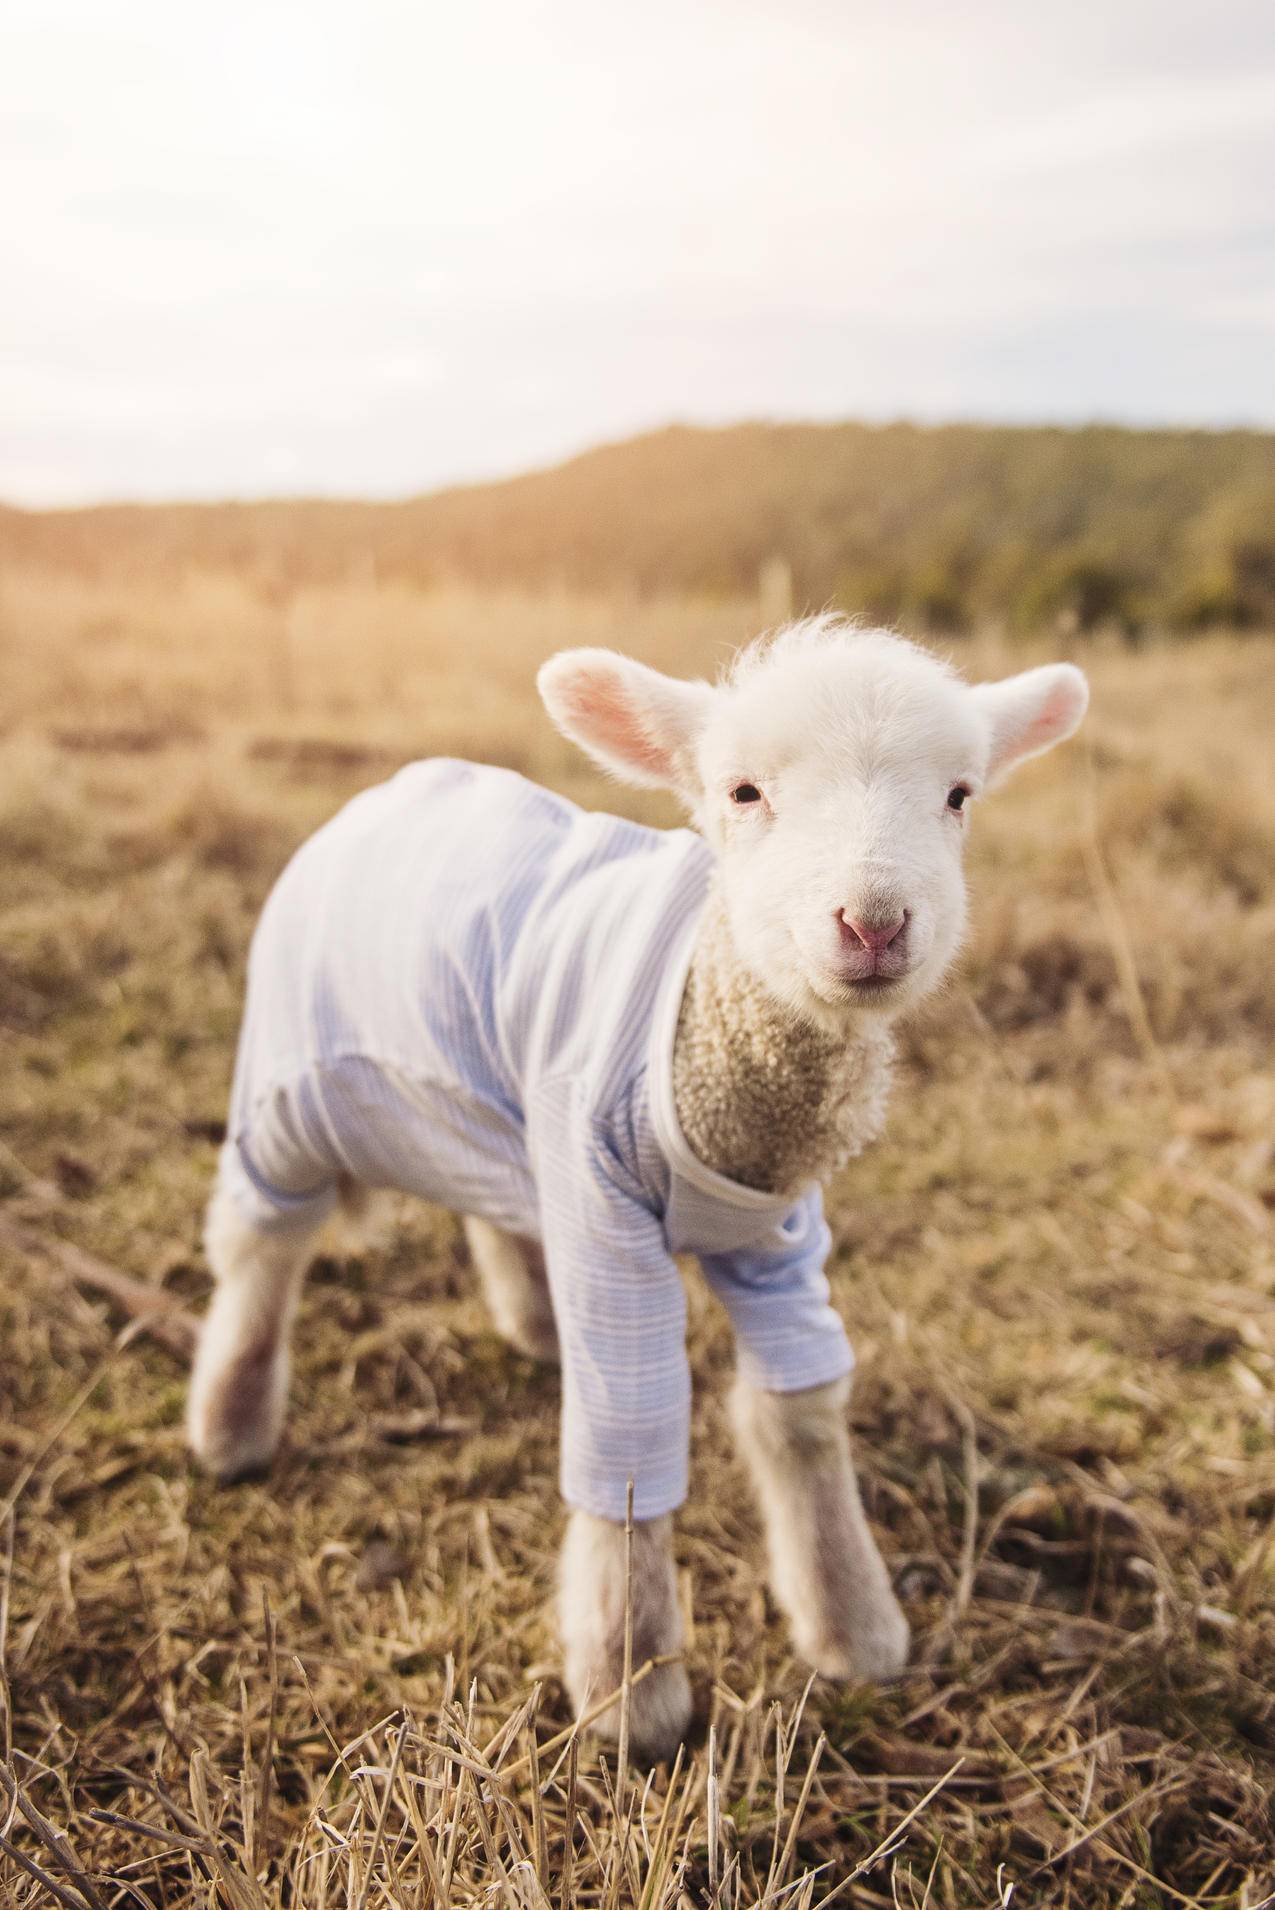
745, 792
956, 796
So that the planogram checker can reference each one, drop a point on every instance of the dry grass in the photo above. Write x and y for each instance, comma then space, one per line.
336, 1687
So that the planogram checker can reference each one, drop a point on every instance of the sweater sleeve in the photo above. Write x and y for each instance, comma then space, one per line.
788, 1335
620, 1309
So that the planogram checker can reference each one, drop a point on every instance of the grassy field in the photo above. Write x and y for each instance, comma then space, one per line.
336, 1687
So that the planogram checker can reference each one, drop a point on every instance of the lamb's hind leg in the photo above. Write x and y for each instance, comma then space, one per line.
239, 1385
515, 1287
825, 1568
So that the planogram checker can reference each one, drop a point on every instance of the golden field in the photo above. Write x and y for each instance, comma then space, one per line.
335, 1687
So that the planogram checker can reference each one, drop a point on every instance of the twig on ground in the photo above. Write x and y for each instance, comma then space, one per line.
156, 1312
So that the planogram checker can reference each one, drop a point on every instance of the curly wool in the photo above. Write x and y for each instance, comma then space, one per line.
763, 1096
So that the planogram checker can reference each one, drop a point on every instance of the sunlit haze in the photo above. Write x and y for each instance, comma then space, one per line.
372, 250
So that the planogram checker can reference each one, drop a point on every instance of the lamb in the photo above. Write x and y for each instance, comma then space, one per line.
606, 1045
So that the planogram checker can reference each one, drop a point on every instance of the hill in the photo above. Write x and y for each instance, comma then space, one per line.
940, 527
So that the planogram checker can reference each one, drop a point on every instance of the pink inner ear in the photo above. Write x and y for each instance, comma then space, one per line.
1044, 726
605, 713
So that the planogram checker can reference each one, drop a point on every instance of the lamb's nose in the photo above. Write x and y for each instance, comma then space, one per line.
874, 936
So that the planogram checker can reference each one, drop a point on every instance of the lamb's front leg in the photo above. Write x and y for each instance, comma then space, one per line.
825, 1569
591, 1617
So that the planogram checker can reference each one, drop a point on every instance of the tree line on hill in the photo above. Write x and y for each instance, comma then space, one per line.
939, 528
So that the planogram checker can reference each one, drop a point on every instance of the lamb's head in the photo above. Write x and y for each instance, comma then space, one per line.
832, 772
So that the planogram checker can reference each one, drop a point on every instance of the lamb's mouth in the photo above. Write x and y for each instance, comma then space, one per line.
873, 990
871, 987
876, 990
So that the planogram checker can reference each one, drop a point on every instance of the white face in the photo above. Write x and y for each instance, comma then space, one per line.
832, 773
835, 787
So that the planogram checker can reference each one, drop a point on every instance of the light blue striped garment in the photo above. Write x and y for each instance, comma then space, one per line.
466, 988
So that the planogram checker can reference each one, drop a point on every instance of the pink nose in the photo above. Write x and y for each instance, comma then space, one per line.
874, 936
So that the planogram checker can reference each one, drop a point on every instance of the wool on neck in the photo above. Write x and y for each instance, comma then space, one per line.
764, 1096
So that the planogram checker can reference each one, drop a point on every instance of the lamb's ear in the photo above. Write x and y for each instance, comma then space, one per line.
1028, 714
638, 724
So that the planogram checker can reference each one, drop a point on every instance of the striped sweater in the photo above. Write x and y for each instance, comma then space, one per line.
466, 988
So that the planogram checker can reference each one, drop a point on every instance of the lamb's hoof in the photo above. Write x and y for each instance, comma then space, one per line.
233, 1425
659, 1715
871, 1650
229, 1456
240, 1472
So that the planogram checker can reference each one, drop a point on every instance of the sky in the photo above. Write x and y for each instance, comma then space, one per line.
368, 251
